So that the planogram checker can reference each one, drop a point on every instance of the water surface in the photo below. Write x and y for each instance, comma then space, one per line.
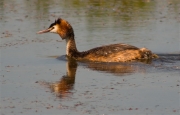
36, 78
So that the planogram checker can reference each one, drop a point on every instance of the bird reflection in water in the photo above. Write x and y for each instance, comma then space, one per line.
64, 87
118, 69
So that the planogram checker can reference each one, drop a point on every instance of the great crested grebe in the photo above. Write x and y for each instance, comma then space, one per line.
108, 53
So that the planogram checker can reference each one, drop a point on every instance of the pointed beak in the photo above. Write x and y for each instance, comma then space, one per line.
44, 31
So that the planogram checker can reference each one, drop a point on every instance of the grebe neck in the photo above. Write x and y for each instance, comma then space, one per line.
71, 49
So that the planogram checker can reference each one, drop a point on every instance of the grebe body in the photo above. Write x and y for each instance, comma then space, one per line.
108, 53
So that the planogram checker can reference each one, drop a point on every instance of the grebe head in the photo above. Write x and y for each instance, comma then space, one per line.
61, 27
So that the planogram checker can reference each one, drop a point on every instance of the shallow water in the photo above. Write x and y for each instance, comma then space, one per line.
36, 78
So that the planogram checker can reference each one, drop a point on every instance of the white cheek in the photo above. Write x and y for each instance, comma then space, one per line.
54, 30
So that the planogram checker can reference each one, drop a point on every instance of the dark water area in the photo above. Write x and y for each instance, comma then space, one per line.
36, 78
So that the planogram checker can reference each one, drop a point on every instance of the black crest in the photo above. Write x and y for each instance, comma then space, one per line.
58, 21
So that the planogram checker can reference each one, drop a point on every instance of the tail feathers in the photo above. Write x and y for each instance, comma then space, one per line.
147, 54
155, 56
